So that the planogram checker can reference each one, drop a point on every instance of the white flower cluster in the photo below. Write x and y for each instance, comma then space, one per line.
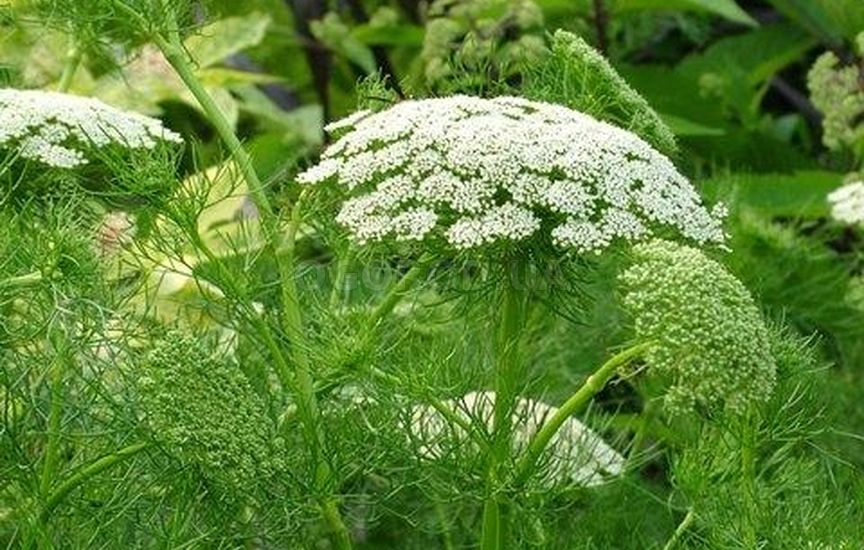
847, 203
475, 171
53, 128
575, 454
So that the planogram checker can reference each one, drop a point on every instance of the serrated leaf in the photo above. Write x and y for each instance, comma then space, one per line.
726, 9
225, 37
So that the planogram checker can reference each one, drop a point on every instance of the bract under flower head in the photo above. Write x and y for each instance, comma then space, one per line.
711, 339
56, 128
475, 171
575, 455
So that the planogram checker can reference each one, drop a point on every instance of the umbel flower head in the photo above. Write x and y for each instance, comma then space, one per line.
470, 172
575, 455
56, 128
711, 340
204, 411
847, 203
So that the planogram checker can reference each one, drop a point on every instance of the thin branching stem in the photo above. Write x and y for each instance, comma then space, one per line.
680, 530
589, 389
386, 305
86, 473
172, 47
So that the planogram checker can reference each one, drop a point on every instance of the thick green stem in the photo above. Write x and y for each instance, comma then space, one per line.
70, 67
86, 473
589, 389
59, 345
508, 376
645, 419
446, 536
748, 482
21, 281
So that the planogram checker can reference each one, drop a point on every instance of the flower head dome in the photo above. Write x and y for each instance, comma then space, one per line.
711, 340
54, 128
472, 171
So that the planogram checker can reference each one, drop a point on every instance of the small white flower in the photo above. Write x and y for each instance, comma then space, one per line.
574, 455
847, 203
56, 128
487, 170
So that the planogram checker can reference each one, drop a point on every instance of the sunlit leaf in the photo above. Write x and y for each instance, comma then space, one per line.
728, 9
225, 37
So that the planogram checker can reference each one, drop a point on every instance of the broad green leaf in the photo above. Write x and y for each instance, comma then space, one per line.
811, 16
336, 35
736, 69
225, 37
727, 9
226, 78
846, 16
303, 123
798, 194
684, 127
226, 192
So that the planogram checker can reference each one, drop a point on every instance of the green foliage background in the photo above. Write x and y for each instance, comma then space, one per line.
721, 86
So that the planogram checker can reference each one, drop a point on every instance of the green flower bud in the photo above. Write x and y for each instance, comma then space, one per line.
203, 410
712, 343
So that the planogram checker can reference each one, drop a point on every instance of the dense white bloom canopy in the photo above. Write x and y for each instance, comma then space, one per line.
575, 455
847, 203
475, 171
55, 128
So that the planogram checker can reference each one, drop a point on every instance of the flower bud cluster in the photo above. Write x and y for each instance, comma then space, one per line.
205, 412
836, 91
711, 340
56, 129
470, 172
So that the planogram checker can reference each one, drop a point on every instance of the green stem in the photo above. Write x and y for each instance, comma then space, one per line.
446, 537
508, 374
86, 473
679, 532
57, 369
645, 419
386, 305
171, 46
70, 67
339, 534
336, 292
589, 389
748, 482
21, 281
